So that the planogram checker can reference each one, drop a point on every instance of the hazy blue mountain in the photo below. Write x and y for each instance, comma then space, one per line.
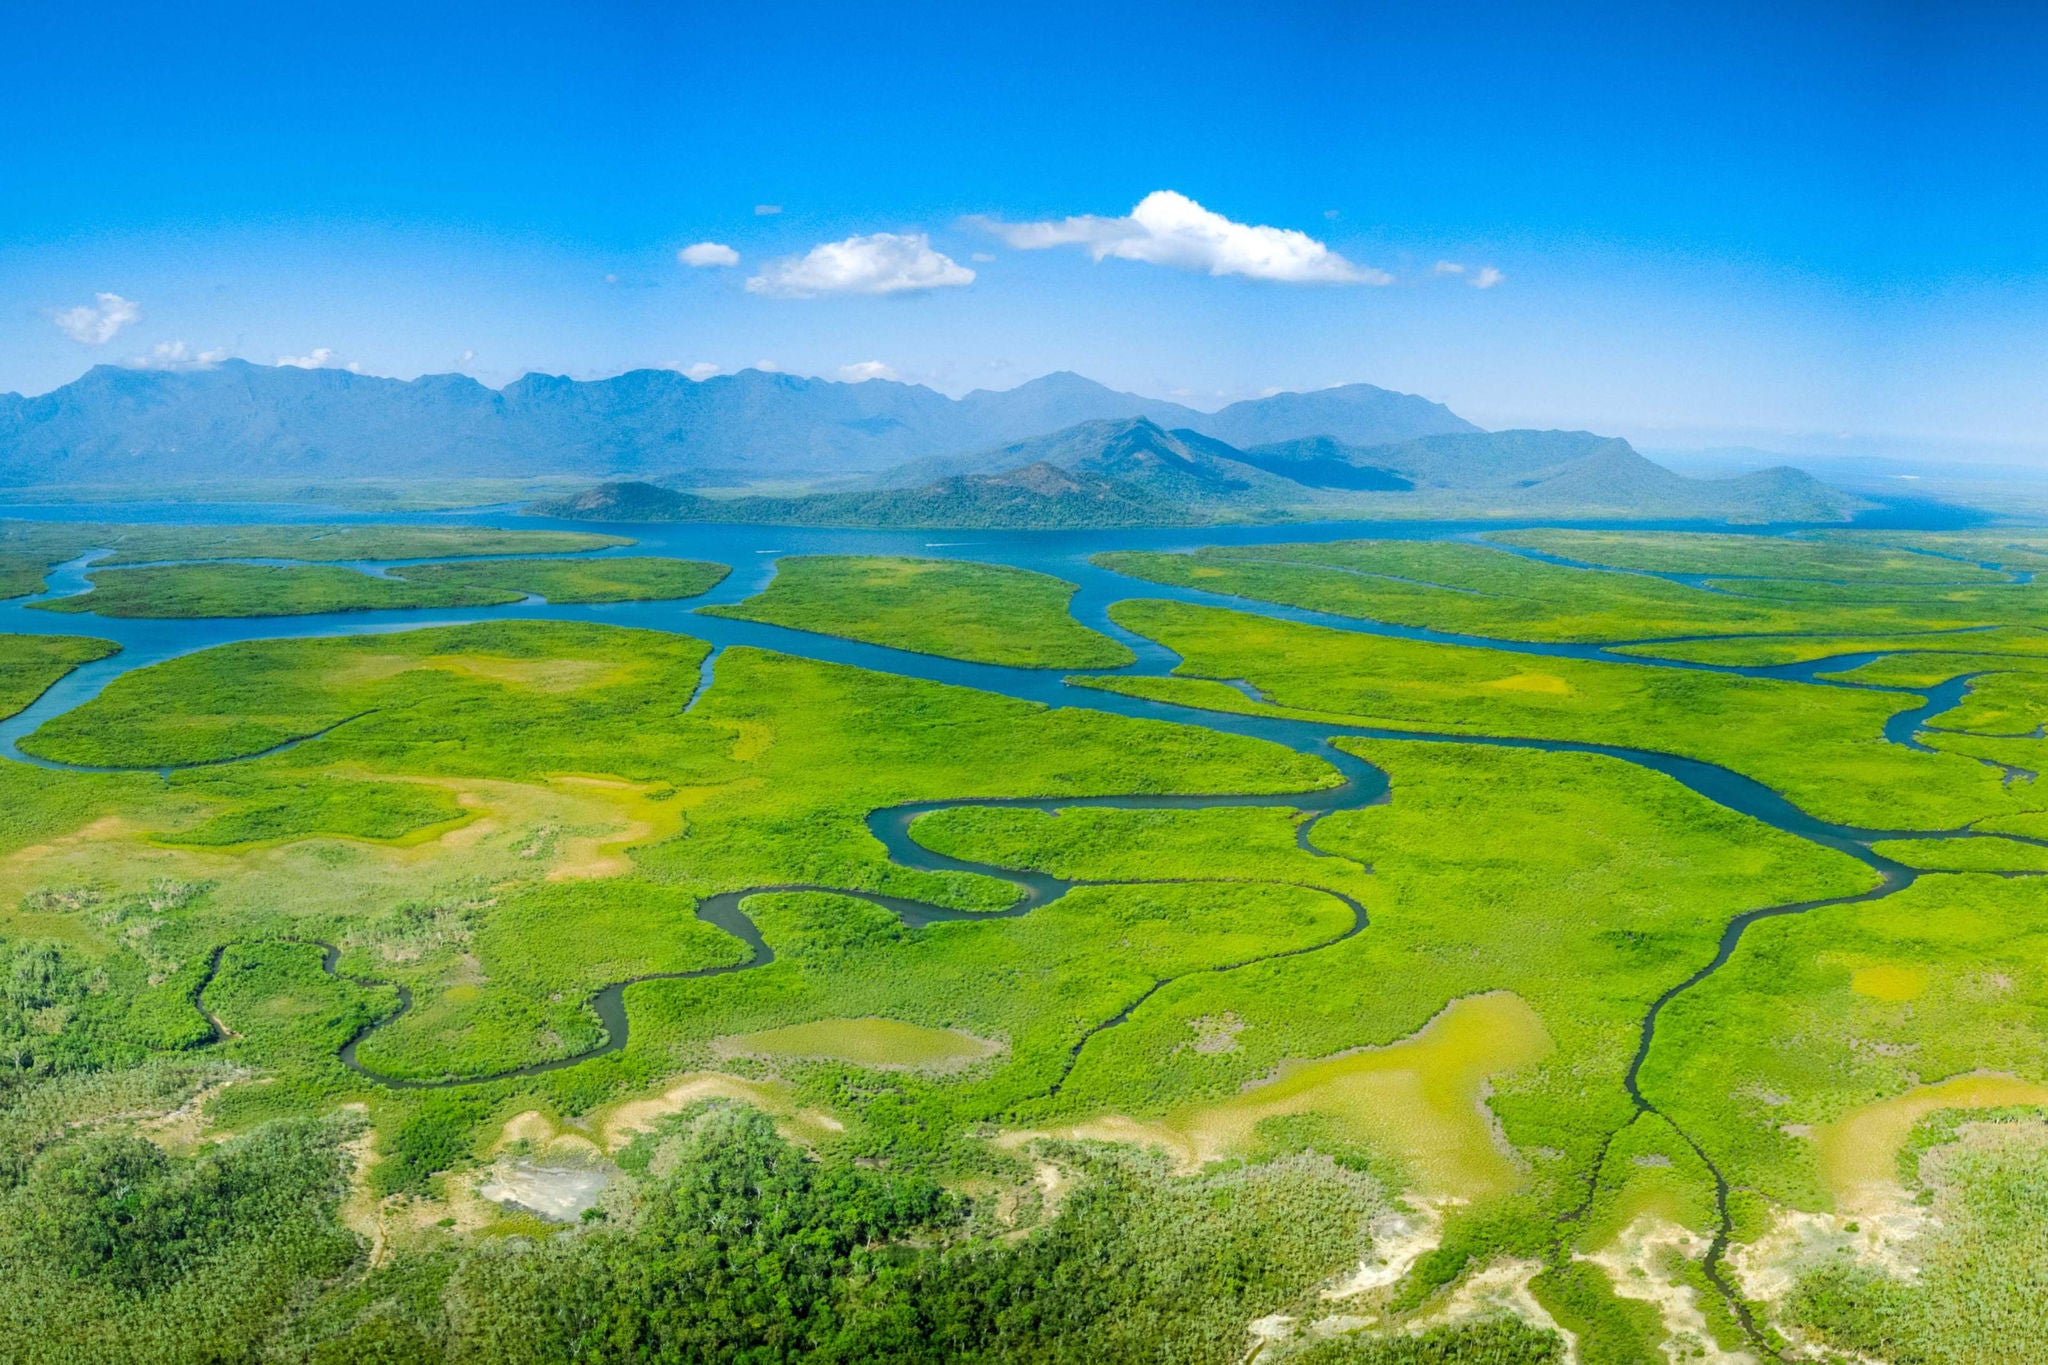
1034, 496
242, 421
1485, 459
1061, 400
1133, 472
1326, 462
1137, 449
1358, 414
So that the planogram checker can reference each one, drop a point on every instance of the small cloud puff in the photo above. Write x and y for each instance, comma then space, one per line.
708, 254
767, 210
95, 323
1173, 230
320, 358
862, 371
879, 263
177, 355
699, 371
1485, 277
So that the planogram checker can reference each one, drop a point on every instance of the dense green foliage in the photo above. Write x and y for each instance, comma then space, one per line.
30, 663
1977, 1297
986, 613
1393, 1140
110, 1250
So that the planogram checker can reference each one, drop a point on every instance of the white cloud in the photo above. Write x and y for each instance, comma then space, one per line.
982, 257
1479, 277
880, 263
320, 358
95, 323
766, 367
865, 370
767, 210
708, 254
700, 371
177, 355
1173, 230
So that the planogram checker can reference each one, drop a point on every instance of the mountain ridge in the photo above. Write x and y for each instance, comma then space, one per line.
115, 425
1134, 472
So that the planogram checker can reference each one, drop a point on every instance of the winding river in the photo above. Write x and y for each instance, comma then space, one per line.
752, 551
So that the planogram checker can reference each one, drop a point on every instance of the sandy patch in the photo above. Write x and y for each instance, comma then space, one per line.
183, 1129
1638, 1264
558, 1191
1767, 1269
1400, 1238
619, 1124
1494, 1290
631, 814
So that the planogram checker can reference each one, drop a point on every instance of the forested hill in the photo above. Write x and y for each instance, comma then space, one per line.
1136, 473
235, 420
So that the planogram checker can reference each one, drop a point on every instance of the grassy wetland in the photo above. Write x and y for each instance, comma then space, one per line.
212, 590
541, 989
984, 613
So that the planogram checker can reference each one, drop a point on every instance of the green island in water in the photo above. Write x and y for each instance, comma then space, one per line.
1503, 949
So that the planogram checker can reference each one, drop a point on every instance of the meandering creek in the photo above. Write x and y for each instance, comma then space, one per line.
752, 552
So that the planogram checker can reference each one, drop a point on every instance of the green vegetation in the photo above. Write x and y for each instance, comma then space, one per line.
985, 613
202, 590
2008, 644
1943, 979
888, 1044
1975, 1297
29, 664
1826, 556
1232, 1080
1478, 589
110, 1250
634, 579
29, 548
1821, 747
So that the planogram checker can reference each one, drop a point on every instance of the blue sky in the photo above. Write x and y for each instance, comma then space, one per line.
1785, 224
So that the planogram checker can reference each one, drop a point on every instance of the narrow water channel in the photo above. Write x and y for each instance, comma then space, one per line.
753, 551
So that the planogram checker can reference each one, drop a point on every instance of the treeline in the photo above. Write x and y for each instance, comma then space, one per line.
736, 1247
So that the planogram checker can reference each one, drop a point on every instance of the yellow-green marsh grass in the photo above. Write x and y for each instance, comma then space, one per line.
1888, 982
1421, 1102
1859, 1151
878, 1044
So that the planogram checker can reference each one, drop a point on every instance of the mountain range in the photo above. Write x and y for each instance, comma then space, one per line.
1058, 451
1134, 472
237, 420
